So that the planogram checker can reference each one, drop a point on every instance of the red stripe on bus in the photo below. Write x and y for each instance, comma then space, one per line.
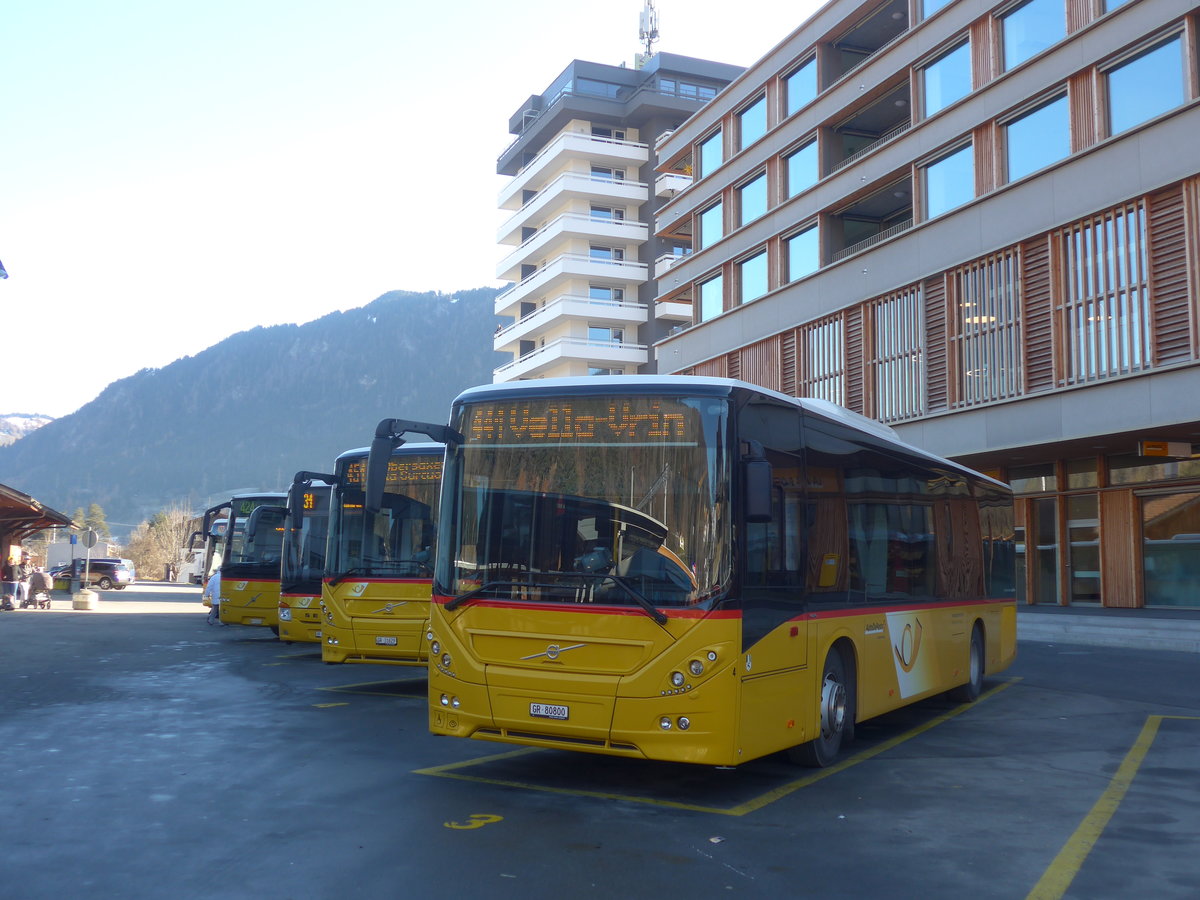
597, 609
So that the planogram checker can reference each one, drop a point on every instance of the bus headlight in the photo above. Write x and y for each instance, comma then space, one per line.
435, 648
696, 667
677, 679
446, 660
684, 723
664, 723
712, 655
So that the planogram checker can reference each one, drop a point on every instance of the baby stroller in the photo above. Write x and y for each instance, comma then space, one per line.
39, 591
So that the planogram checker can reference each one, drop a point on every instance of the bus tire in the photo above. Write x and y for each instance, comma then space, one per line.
969, 692
836, 703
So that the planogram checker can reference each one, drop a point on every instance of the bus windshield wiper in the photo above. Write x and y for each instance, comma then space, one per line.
638, 597
353, 570
458, 601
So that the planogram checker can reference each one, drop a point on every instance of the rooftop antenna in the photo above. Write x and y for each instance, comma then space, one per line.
647, 32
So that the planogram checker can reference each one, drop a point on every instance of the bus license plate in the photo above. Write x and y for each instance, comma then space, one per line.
548, 711
386, 641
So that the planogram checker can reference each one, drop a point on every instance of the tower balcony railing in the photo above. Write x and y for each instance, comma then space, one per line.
575, 145
580, 349
570, 306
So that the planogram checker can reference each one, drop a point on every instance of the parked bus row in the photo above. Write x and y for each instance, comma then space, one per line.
676, 568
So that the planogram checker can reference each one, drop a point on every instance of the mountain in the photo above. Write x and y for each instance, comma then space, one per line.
249, 412
14, 426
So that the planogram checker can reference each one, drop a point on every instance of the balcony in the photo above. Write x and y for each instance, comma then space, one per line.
556, 196
571, 350
663, 264
563, 229
677, 310
559, 272
570, 306
870, 127
668, 184
564, 148
870, 220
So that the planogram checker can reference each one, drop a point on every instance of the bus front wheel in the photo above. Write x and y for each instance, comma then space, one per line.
836, 716
969, 692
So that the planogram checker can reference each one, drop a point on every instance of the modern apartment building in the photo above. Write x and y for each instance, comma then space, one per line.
580, 250
978, 222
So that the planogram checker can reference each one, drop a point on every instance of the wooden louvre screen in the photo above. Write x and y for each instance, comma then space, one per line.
1173, 308
935, 343
1038, 314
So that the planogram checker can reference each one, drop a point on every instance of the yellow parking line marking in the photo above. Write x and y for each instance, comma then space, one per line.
329, 705
450, 770
1062, 871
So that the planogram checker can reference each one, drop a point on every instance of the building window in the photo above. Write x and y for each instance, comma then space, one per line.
604, 292
712, 298
597, 88
802, 170
1038, 138
947, 78
712, 225
752, 123
824, 361
604, 370
606, 254
949, 182
608, 213
712, 153
1146, 86
752, 277
800, 88
752, 200
897, 361
985, 336
604, 173
603, 334
1171, 548
1105, 316
803, 253
604, 133
1031, 28
929, 7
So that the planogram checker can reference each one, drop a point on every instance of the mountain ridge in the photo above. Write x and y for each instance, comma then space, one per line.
251, 410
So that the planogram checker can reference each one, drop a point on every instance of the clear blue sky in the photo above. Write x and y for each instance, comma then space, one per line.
178, 172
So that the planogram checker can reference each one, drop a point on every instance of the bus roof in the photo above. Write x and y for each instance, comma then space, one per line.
413, 448
704, 385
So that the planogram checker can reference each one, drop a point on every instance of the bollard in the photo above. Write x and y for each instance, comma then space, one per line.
85, 599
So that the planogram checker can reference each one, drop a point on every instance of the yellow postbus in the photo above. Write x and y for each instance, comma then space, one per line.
250, 561
380, 562
699, 570
303, 558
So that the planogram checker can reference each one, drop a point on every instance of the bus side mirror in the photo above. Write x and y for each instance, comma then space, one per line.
756, 479
377, 466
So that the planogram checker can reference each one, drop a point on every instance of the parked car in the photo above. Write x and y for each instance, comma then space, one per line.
104, 573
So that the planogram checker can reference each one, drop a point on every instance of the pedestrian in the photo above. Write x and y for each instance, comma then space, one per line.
212, 593
23, 570
8, 576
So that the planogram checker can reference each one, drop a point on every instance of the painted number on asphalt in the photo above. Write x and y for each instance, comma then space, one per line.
477, 821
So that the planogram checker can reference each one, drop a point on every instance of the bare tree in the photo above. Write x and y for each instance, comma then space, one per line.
160, 541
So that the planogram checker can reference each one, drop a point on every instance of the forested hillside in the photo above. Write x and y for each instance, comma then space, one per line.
249, 412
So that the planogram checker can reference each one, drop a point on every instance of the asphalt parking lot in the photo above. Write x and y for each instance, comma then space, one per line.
149, 755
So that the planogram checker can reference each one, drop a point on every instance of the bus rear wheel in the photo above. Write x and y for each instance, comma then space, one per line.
836, 716
969, 692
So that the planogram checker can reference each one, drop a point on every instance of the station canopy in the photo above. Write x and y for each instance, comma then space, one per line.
22, 516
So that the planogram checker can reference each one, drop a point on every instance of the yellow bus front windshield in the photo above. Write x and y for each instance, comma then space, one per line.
396, 542
592, 499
